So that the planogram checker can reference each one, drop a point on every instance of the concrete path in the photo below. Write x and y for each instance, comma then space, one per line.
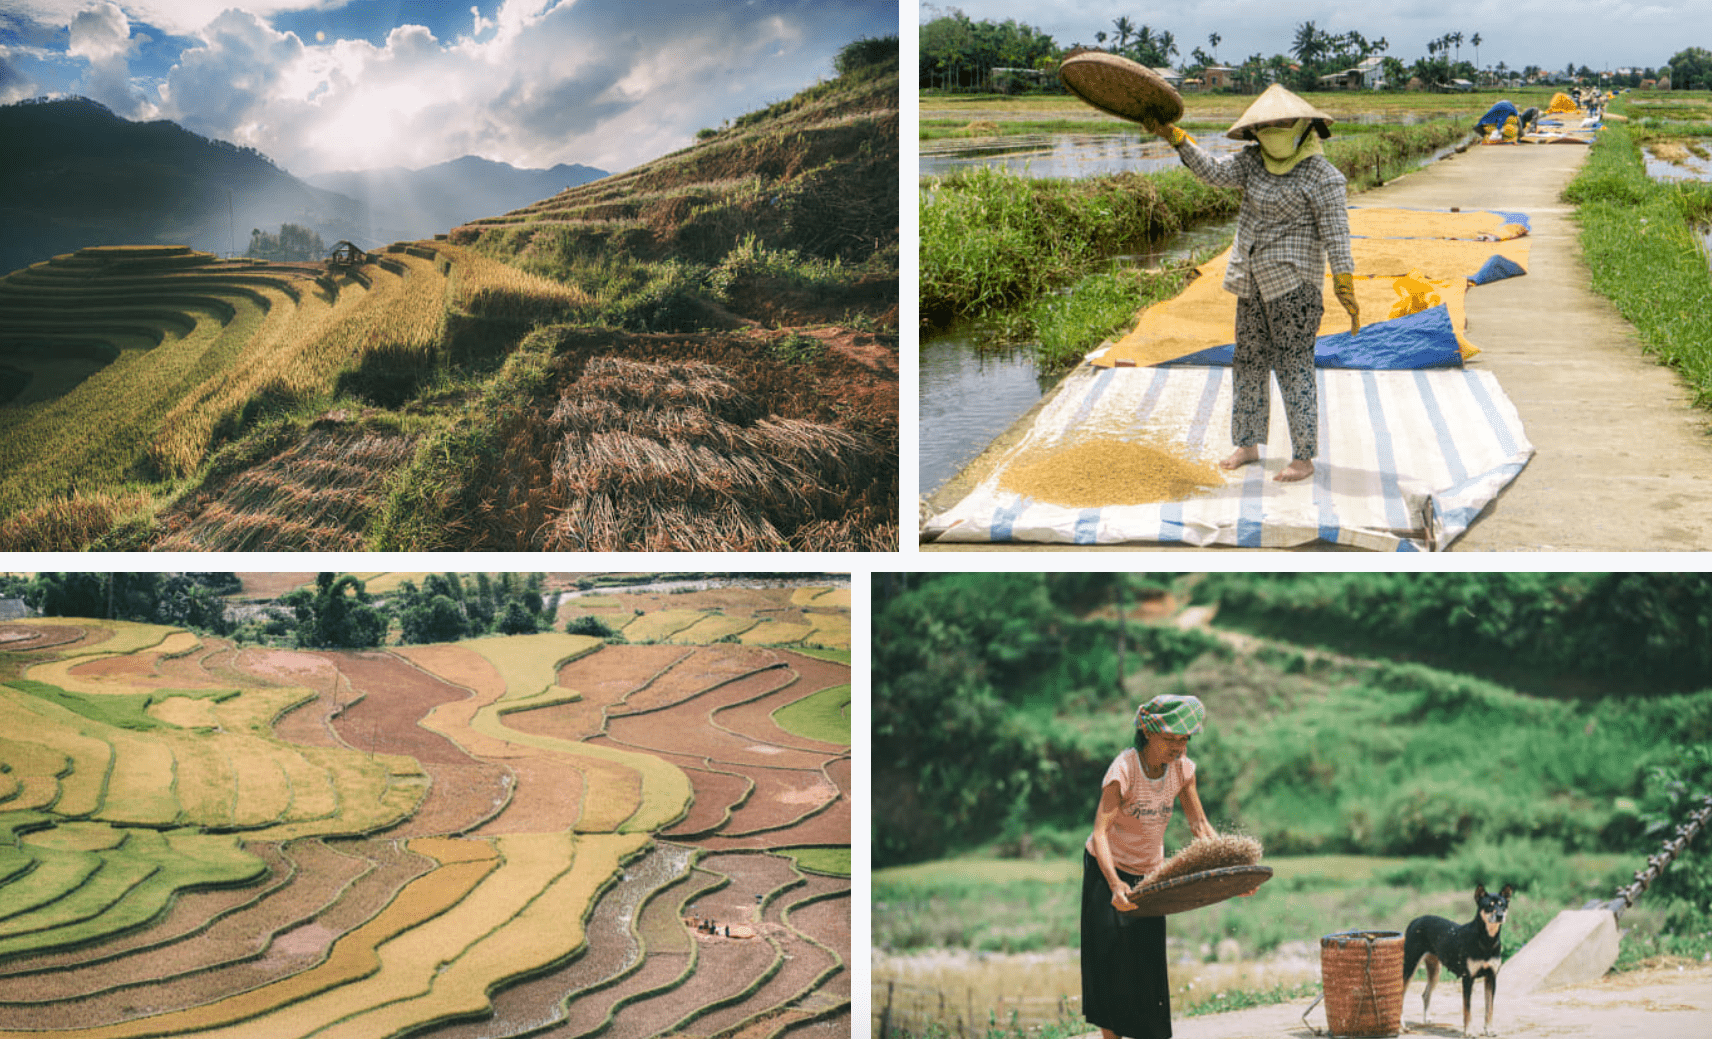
1622, 460
1658, 1003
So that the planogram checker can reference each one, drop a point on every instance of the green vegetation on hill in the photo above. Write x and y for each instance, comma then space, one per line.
997, 710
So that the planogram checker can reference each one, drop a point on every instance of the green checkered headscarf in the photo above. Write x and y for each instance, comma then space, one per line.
1176, 715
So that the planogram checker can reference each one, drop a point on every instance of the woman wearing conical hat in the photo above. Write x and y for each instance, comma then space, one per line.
1293, 219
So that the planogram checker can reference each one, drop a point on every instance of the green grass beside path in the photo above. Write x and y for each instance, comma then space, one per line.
1639, 240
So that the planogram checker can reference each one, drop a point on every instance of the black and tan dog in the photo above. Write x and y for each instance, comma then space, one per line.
1469, 951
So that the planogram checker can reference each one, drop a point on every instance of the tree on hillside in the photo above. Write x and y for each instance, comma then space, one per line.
293, 243
337, 614
1691, 69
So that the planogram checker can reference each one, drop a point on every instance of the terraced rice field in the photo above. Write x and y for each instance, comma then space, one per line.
542, 835
134, 363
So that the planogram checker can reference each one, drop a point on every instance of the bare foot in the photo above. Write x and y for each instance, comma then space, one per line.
1242, 457
1298, 469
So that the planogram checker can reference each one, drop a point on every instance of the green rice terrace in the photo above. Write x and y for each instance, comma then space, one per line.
551, 834
697, 354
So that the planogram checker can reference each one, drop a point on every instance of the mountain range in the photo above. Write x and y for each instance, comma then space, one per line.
426, 201
74, 174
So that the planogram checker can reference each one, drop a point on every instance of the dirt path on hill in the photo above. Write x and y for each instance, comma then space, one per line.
1622, 460
1667, 1002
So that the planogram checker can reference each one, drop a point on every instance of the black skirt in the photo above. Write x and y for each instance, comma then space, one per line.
1124, 985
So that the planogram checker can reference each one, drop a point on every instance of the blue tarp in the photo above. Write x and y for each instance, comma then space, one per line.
1424, 340
1496, 115
1497, 268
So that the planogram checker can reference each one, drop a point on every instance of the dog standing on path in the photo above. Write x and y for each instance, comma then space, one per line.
1468, 950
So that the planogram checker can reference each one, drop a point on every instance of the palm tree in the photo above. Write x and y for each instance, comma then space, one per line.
1166, 44
1213, 39
1475, 39
1456, 38
1308, 44
1125, 28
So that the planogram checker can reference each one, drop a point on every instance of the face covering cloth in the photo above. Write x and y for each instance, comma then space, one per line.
1284, 146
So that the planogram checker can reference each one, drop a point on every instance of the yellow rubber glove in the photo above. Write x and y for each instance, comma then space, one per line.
1344, 286
1173, 134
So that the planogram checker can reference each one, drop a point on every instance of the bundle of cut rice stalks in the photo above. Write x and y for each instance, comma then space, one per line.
1206, 871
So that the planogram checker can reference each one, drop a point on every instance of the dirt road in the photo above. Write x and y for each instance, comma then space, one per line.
1668, 1002
1622, 461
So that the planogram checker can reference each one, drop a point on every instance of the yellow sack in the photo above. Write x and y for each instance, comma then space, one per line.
1510, 130
1561, 103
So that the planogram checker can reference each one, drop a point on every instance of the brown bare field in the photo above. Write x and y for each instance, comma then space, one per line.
716, 793
803, 963
701, 670
684, 728
547, 791
191, 913
613, 951
351, 957
754, 719
272, 586
617, 670
396, 696
226, 957
831, 825
657, 971
17, 638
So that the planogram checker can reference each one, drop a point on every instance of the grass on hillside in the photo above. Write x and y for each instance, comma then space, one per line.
824, 716
834, 862
1639, 239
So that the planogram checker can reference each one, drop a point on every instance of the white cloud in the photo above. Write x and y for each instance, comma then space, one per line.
608, 84
101, 35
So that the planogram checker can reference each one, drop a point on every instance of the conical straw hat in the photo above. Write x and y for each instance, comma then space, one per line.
1277, 105
1120, 87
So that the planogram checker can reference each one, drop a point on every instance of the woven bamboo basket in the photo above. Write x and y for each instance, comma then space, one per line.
1120, 87
1181, 894
1362, 975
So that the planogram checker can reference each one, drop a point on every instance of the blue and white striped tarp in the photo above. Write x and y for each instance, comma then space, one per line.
1407, 459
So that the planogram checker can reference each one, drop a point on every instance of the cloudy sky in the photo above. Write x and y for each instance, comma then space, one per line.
1549, 33
322, 85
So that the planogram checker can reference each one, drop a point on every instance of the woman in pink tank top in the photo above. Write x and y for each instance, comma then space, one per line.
1124, 986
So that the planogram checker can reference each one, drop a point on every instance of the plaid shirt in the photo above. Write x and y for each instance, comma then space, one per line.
1287, 225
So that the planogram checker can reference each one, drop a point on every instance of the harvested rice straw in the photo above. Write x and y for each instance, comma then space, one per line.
1205, 853
1097, 471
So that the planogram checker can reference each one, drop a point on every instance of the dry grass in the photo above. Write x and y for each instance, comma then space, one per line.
1205, 853
69, 524
673, 456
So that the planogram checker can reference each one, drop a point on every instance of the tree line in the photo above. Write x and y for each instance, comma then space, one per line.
338, 611
959, 53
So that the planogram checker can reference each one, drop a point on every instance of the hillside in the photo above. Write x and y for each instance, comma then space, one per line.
1311, 750
716, 371
77, 175
407, 203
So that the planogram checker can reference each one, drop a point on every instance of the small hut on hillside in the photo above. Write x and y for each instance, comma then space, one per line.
345, 254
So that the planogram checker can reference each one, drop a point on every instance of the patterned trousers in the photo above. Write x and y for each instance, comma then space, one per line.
1276, 335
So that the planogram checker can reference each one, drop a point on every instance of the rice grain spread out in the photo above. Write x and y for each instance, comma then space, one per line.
1098, 471
1205, 853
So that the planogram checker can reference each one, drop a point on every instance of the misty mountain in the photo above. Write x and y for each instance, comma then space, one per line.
74, 174
420, 203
